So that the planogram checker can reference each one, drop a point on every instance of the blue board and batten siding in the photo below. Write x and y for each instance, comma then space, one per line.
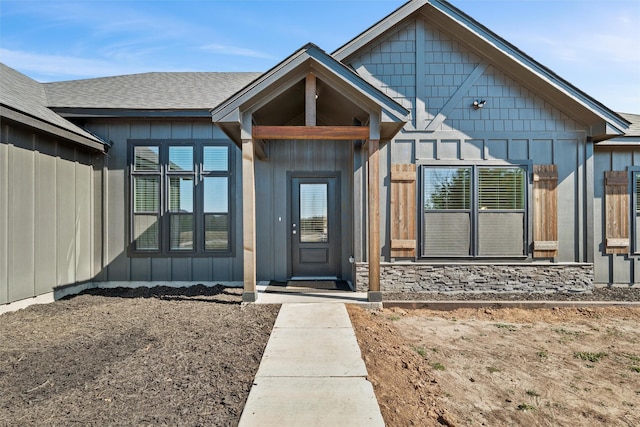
118, 265
48, 211
272, 202
619, 269
438, 78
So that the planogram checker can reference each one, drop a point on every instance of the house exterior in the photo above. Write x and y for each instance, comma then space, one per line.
425, 154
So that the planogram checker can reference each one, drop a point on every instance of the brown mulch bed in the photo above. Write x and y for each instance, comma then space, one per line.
159, 356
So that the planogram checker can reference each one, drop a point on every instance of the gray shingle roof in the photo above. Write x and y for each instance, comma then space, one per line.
148, 91
25, 95
634, 128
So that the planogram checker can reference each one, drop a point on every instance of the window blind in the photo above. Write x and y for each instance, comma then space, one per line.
146, 194
501, 188
215, 159
146, 159
181, 158
447, 188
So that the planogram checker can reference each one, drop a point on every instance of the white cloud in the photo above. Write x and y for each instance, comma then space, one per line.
36, 65
235, 51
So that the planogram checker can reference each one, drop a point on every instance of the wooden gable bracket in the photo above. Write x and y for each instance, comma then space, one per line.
259, 146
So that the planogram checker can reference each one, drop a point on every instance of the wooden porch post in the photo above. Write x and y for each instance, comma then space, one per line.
249, 221
374, 294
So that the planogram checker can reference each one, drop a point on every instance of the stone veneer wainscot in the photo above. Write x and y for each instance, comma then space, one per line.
532, 277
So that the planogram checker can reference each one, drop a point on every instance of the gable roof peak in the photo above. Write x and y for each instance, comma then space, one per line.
498, 51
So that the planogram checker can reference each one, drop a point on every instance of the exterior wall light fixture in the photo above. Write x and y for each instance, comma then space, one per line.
477, 104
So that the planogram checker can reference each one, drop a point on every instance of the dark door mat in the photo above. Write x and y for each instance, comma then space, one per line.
308, 286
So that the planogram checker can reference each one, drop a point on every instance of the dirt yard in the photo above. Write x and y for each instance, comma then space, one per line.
165, 356
132, 357
496, 367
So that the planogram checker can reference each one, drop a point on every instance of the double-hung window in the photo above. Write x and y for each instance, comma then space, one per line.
180, 197
474, 211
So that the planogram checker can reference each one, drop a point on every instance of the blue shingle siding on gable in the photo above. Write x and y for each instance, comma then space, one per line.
391, 65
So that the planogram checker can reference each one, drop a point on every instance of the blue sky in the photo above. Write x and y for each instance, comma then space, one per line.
594, 44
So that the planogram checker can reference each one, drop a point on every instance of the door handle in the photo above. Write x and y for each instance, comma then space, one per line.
294, 229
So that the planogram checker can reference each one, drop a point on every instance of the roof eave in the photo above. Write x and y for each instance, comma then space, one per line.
22, 118
69, 112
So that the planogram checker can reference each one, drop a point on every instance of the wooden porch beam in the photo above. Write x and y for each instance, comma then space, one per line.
374, 221
310, 100
311, 132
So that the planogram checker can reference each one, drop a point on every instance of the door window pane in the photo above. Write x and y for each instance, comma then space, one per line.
180, 194
216, 159
313, 213
146, 159
180, 158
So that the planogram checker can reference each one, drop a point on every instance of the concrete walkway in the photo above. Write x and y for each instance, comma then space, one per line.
310, 297
312, 373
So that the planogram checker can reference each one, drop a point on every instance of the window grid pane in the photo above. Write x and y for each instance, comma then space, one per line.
216, 194
216, 159
145, 232
447, 234
447, 188
181, 232
500, 233
146, 194
216, 232
181, 194
146, 159
181, 158
501, 188
637, 178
